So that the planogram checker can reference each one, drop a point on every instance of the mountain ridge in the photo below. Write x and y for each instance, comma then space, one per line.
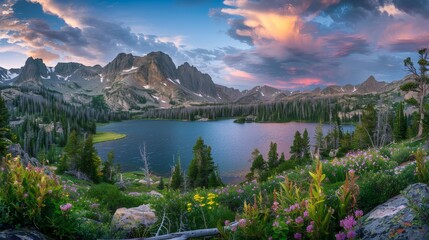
131, 82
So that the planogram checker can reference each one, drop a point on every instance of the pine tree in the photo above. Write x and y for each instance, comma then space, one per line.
72, 153
305, 145
177, 176
319, 136
273, 156
90, 161
369, 122
4, 128
419, 84
296, 148
108, 168
400, 124
201, 166
282, 158
161, 184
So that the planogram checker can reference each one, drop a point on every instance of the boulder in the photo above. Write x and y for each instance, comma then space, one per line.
129, 219
17, 151
134, 194
396, 218
22, 234
154, 194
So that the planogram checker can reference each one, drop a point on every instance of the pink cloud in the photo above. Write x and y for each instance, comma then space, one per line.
301, 83
234, 74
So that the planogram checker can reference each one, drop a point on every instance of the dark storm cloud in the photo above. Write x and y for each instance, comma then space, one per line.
420, 7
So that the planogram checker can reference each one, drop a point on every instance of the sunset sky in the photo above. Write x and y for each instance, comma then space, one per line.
290, 44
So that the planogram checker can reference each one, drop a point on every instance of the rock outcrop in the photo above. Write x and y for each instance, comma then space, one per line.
397, 218
22, 234
17, 151
130, 219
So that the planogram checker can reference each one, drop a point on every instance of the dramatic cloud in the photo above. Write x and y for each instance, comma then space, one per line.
303, 43
285, 43
83, 38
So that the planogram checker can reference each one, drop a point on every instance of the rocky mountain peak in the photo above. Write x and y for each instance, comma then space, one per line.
370, 85
32, 71
66, 69
196, 81
121, 62
163, 63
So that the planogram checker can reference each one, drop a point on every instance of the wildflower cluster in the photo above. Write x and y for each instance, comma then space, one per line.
348, 224
363, 161
28, 191
292, 220
208, 202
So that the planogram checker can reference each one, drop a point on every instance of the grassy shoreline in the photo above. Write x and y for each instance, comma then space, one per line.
107, 136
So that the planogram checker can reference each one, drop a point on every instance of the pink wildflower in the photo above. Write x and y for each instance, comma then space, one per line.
66, 207
242, 222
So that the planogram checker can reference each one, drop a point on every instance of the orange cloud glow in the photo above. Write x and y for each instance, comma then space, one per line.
235, 73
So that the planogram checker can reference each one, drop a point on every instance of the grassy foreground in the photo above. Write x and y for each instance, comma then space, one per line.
107, 136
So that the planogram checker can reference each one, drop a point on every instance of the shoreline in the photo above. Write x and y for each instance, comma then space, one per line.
107, 136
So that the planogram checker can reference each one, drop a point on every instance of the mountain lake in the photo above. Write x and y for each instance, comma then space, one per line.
231, 143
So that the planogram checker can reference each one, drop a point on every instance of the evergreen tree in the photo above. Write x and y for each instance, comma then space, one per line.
282, 158
90, 161
419, 84
319, 136
400, 124
296, 148
161, 184
177, 176
4, 128
305, 145
214, 179
72, 153
108, 168
201, 166
360, 137
273, 156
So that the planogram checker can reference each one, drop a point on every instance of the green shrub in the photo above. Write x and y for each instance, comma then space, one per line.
422, 166
334, 174
32, 199
111, 197
401, 155
28, 192
378, 187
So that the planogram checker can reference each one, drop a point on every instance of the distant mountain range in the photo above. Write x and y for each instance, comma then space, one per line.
153, 81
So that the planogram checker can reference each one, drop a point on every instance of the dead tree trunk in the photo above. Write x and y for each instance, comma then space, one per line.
145, 160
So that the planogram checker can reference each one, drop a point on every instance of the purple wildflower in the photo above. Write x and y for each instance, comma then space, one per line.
310, 228
297, 236
348, 223
299, 220
351, 234
358, 213
340, 236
